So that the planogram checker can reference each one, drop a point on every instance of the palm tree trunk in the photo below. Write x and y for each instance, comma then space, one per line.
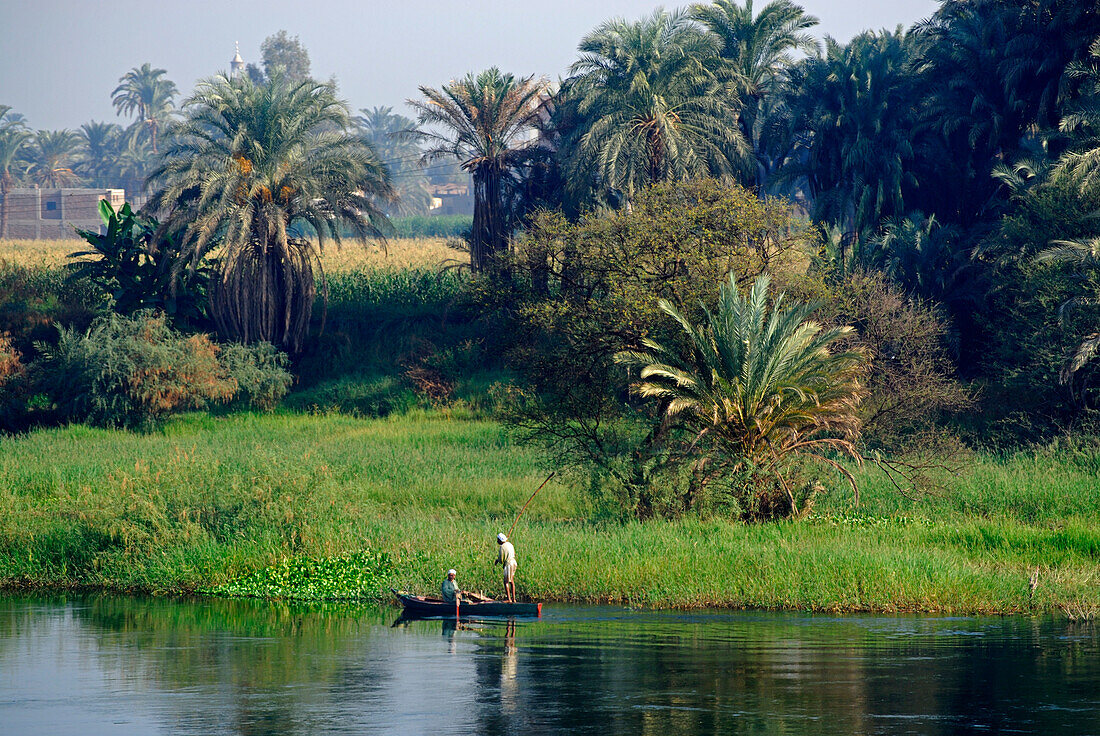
4, 204
489, 238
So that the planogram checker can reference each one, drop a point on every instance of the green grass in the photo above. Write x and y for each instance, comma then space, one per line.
253, 501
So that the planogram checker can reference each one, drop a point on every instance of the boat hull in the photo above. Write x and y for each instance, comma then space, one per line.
417, 606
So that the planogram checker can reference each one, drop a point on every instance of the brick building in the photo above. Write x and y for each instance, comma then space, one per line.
51, 214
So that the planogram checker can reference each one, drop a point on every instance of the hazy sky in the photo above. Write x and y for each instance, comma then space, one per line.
60, 59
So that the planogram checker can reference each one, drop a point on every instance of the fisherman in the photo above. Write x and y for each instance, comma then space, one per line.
506, 557
449, 589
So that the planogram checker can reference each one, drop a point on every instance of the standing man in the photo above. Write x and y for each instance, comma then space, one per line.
506, 557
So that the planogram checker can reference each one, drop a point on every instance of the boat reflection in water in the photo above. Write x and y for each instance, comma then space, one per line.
90, 665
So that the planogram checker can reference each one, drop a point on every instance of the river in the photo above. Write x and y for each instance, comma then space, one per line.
116, 665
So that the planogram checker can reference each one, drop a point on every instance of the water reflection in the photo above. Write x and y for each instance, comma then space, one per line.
87, 665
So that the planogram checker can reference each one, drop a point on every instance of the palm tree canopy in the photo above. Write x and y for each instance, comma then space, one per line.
481, 120
142, 90
760, 47
763, 381
53, 157
250, 165
384, 130
250, 162
484, 122
654, 105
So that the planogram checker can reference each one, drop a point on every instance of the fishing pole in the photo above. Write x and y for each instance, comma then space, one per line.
529, 501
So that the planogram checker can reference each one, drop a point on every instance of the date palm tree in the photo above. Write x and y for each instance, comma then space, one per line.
854, 116
102, 144
1084, 255
759, 48
653, 105
53, 156
14, 137
250, 175
143, 91
765, 384
384, 129
484, 122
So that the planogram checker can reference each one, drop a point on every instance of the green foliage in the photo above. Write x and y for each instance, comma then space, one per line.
285, 55
260, 372
35, 300
653, 103
432, 226
205, 501
246, 171
582, 291
854, 116
129, 372
481, 120
357, 576
757, 388
140, 266
911, 386
387, 133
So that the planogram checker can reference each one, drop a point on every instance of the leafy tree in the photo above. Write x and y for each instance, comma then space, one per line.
483, 122
285, 55
250, 174
653, 104
52, 158
144, 92
760, 50
14, 137
763, 385
385, 131
581, 290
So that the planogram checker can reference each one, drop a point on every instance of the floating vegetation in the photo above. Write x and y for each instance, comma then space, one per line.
357, 576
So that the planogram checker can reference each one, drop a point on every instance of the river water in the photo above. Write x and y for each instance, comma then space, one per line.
116, 665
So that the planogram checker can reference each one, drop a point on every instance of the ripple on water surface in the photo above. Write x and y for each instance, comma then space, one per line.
111, 665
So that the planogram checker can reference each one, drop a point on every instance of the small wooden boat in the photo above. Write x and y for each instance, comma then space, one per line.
417, 605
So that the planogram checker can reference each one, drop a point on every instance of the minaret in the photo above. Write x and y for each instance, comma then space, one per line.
236, 67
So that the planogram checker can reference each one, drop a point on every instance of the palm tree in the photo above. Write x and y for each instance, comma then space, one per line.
1084, 255
53, 156
653, 105
482, 121
384, 130
102, 143
1082, 123
853, 117
250, 174
767, 386
144, 92
13, 139
759, 49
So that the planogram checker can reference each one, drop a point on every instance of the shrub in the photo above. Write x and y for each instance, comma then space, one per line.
130, 371
260, 372
35, 299
139, 264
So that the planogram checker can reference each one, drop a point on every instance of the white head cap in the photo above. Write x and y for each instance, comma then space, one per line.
501, 538
451, 572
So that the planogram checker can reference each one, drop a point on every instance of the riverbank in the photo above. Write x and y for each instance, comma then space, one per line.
211, 500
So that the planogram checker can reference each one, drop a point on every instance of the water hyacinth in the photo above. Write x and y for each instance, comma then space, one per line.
357, 576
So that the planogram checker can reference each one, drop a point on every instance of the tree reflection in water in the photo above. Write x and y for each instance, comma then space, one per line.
126, 665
